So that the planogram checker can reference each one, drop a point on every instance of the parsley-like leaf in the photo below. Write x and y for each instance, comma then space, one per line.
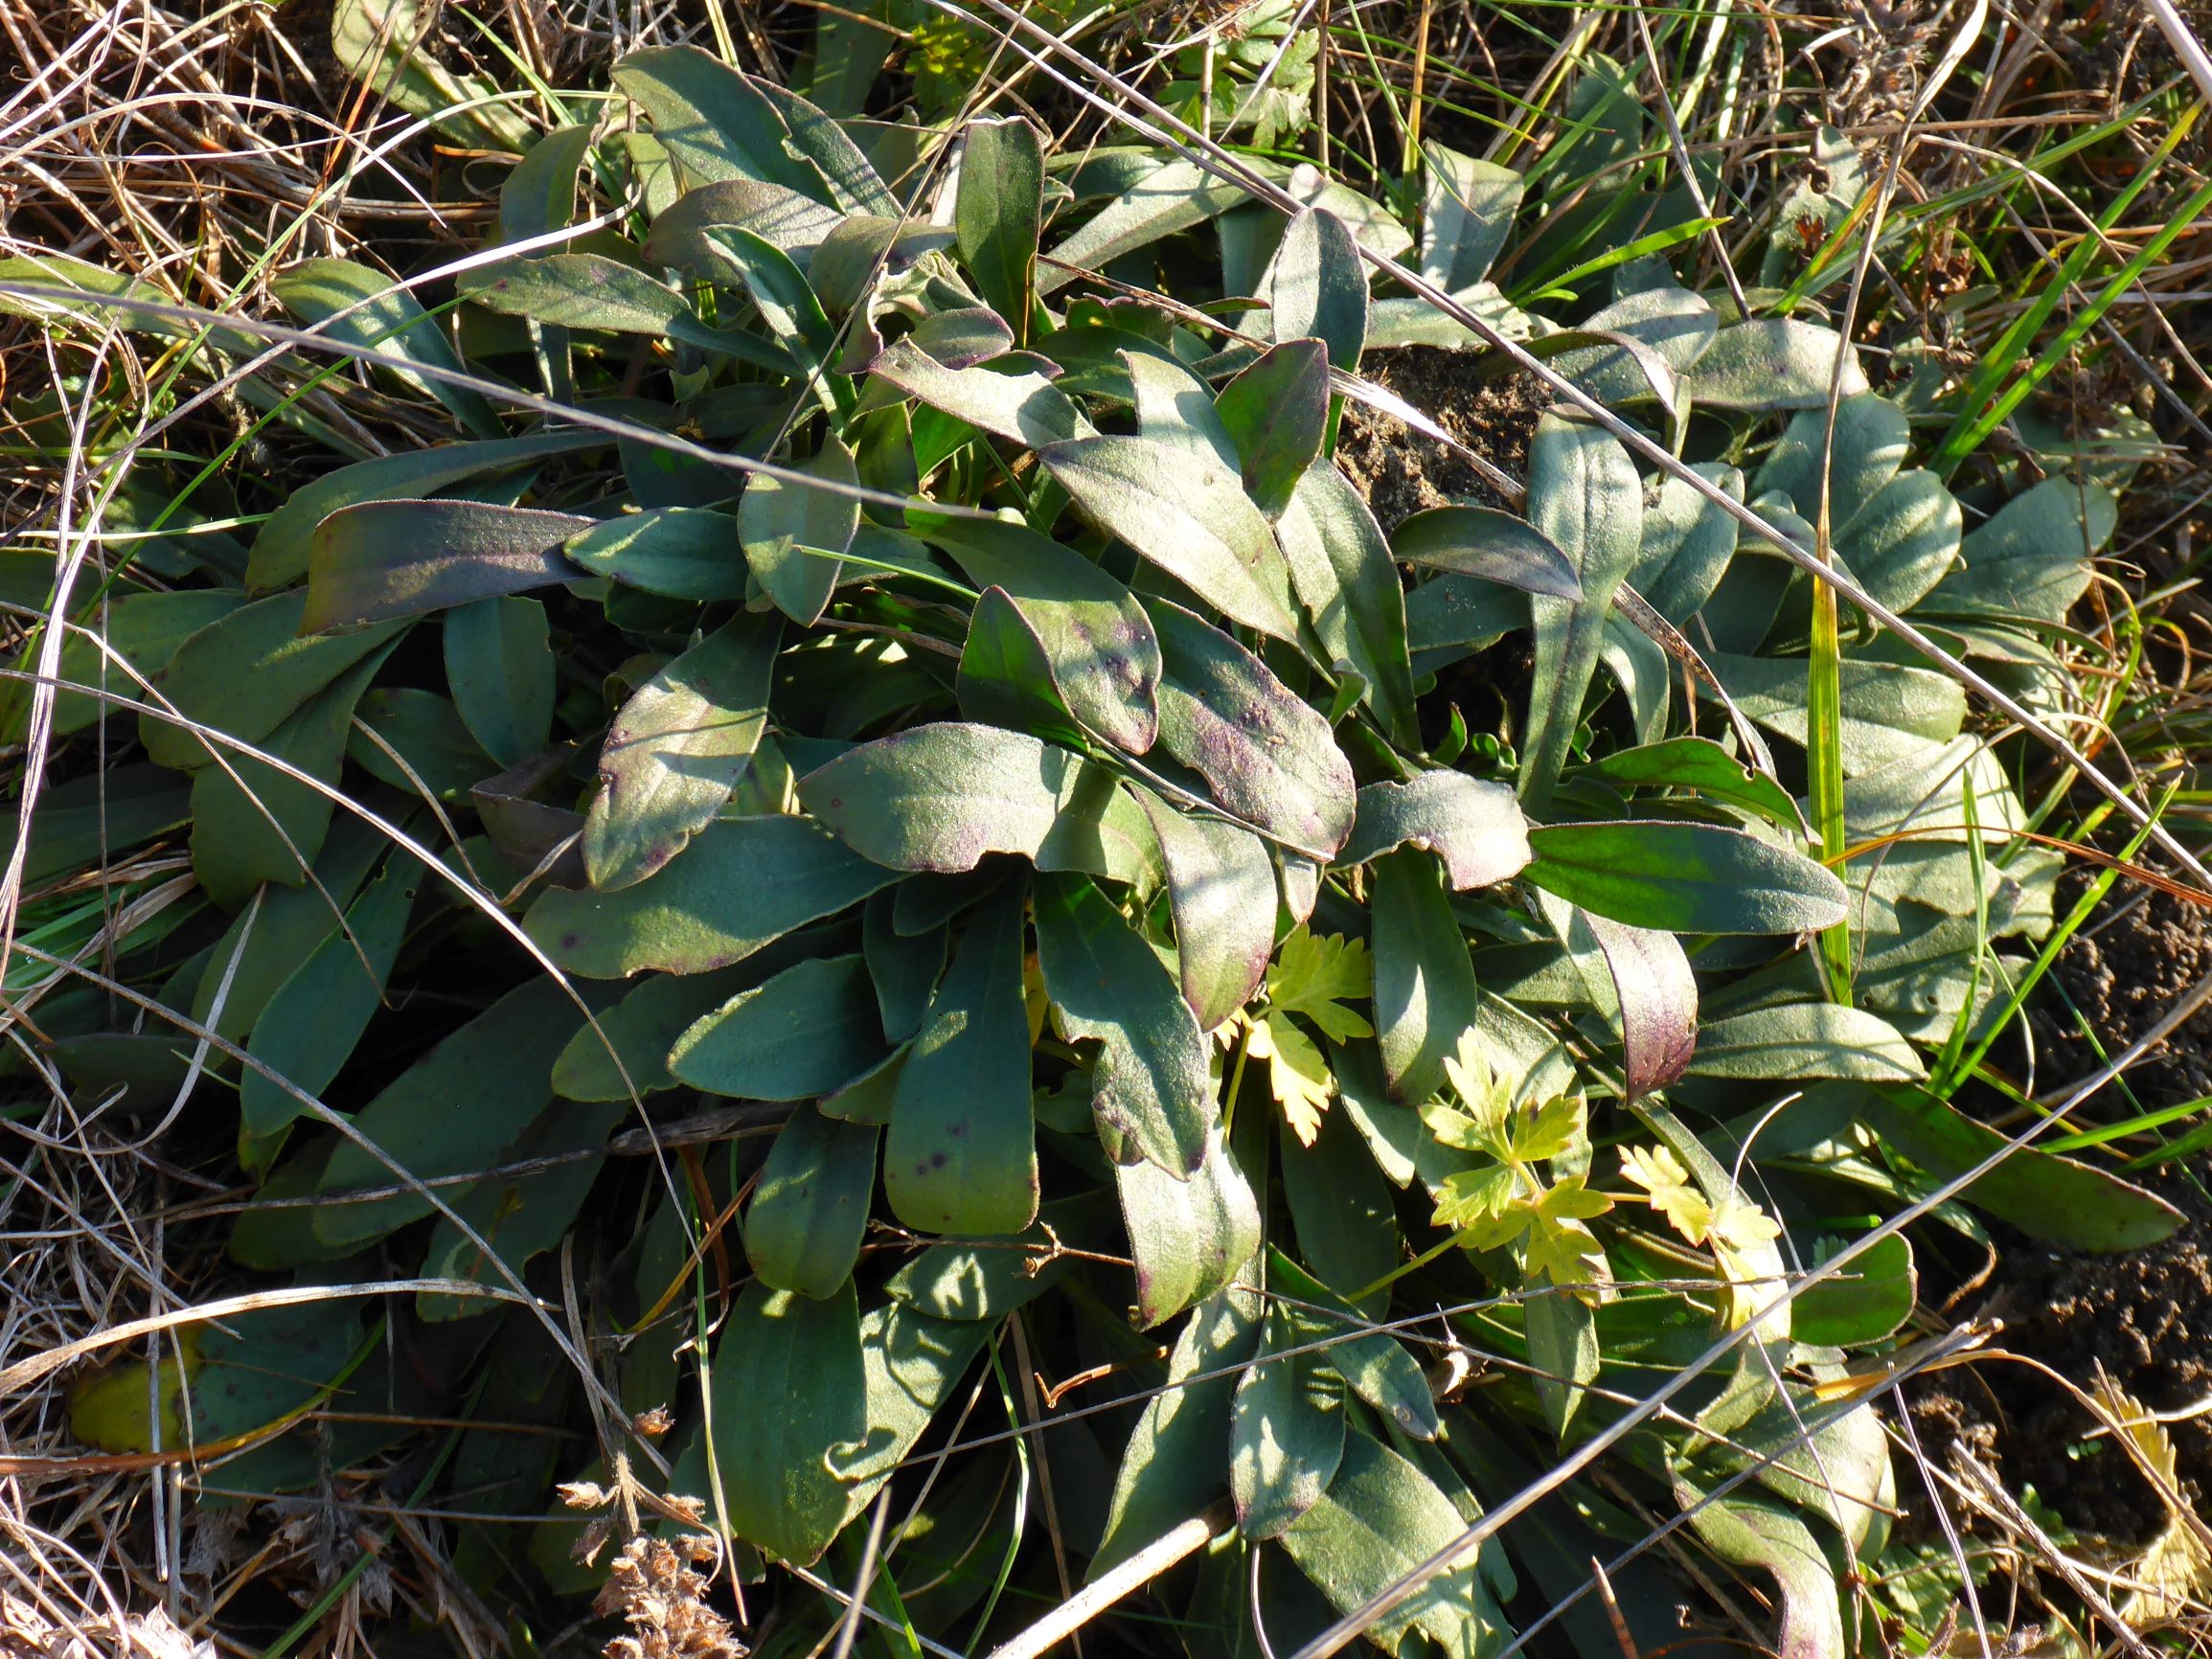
1314, 976
1669, 1191
1297, 1075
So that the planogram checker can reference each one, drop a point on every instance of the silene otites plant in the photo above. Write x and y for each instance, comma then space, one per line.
925, 949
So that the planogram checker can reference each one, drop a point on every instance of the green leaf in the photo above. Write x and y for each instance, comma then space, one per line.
904, 966
145, 629
1806, 1040
2045, 1196
1376, 1367
1686, 544
1025, 406
1346, 1221
1188, 516
1103, 651
794, 535
795, 222
1172, 1466
789, 1397
998, 212
1005, 677
1871, 437
807, 1032
790, 310
1481, 541
365, 307
269, 944
981, 1283
714, 122
1191, 1237
385, 44
912, 1362
1866, 1302
1321, 286
1468, 209
1891, 711
1702, 765
1563, 1348
1221, 891
1669, 327
450, 1112
680, 552
499, 663
1276, 413
1655, 991
741, 883
426, 730
642, 1027
810, 1206
251, 823
91, 818
940, 797
1287, 1430
1167, 197
1269, 756
1380, 1519
1175, 408
961, 1156
676, 750
1150, 1086
1423, 976
1341, 567
1770, 363
310, 1026
1903, 543
520, 1215
1746, 1531
1476, 828
824, 143
379, 560
1584, 496
281, 550
246, 673
1683, 877
2032, 558
576, 292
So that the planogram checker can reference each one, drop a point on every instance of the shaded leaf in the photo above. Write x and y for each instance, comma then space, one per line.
499, 663
383, 559
365, 307
1149, 1086
682, 551
1221, 890
809, 1031
961, 1156
1025, 407
1341, 567
790, 1394
1276, 413
810, 1205
1770, 363
1287, 1429
1423, 976
1806, 1040
1468, 209
1191, 1237
1320, 286
715, 122
794, 535
998, 213
1481, 541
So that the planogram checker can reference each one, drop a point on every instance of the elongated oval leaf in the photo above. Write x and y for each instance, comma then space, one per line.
1476, 828
1267, 754
739, 884
1806, 1040
1684, 878
681, 552
806, 1033
676, 750
1287, 1429
794, 535
804, 1226
1483, 542
1276, 412
383, 559
1189, 517
1424, 998
961, 1155
1222, 890
1150, 1086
